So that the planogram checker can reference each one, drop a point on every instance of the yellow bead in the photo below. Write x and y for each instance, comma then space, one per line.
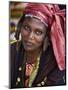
16, 83
45, 79
20, 68
38, 84
38, 58
18, 79
42, 82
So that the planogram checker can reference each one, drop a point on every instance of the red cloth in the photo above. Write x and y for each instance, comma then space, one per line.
54, 18
29, 68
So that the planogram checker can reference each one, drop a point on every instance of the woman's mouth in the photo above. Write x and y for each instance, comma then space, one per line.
29, 43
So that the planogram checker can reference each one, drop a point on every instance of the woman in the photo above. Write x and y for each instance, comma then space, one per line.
39, 58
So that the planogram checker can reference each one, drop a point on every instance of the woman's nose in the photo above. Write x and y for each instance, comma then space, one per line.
31, 36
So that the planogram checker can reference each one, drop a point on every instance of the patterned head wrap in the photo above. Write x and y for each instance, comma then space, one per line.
53, 17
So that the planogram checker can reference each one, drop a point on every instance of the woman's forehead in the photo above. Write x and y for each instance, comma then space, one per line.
34, 21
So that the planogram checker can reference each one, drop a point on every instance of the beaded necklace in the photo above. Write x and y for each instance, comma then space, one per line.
31, 71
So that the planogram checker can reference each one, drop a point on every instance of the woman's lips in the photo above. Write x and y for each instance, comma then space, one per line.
29, 43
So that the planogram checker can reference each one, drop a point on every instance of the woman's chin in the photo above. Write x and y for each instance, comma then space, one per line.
28, 49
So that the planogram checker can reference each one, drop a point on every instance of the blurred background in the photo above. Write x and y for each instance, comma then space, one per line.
15, 12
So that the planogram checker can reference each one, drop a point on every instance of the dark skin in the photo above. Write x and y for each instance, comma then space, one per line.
33, 32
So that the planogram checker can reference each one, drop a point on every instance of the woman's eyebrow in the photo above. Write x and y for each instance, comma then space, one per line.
41, 29
25, 24
37, 29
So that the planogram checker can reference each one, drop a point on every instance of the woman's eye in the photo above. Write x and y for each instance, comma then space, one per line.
26, 28
39, 32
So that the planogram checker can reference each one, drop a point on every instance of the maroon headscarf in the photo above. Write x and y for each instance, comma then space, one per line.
51, 16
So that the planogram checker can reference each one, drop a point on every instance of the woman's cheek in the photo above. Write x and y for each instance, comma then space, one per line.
24, 34
39, 39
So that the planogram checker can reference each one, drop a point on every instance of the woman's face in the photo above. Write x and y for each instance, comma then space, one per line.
33, 32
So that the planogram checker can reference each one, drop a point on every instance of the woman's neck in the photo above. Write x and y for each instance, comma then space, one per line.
31, 56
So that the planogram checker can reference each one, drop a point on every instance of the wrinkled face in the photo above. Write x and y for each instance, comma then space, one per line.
33, 32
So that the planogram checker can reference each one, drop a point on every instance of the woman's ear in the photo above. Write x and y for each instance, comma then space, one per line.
46, 43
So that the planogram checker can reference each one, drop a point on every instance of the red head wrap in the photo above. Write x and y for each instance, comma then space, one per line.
52, 16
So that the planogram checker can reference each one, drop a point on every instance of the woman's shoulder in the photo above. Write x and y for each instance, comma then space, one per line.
13, 44
13, 48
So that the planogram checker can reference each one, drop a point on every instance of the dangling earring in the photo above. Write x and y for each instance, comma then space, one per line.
45, 43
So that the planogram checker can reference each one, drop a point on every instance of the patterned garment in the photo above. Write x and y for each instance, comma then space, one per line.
29, 68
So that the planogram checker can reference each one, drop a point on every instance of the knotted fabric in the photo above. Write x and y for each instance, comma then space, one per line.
52, 17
